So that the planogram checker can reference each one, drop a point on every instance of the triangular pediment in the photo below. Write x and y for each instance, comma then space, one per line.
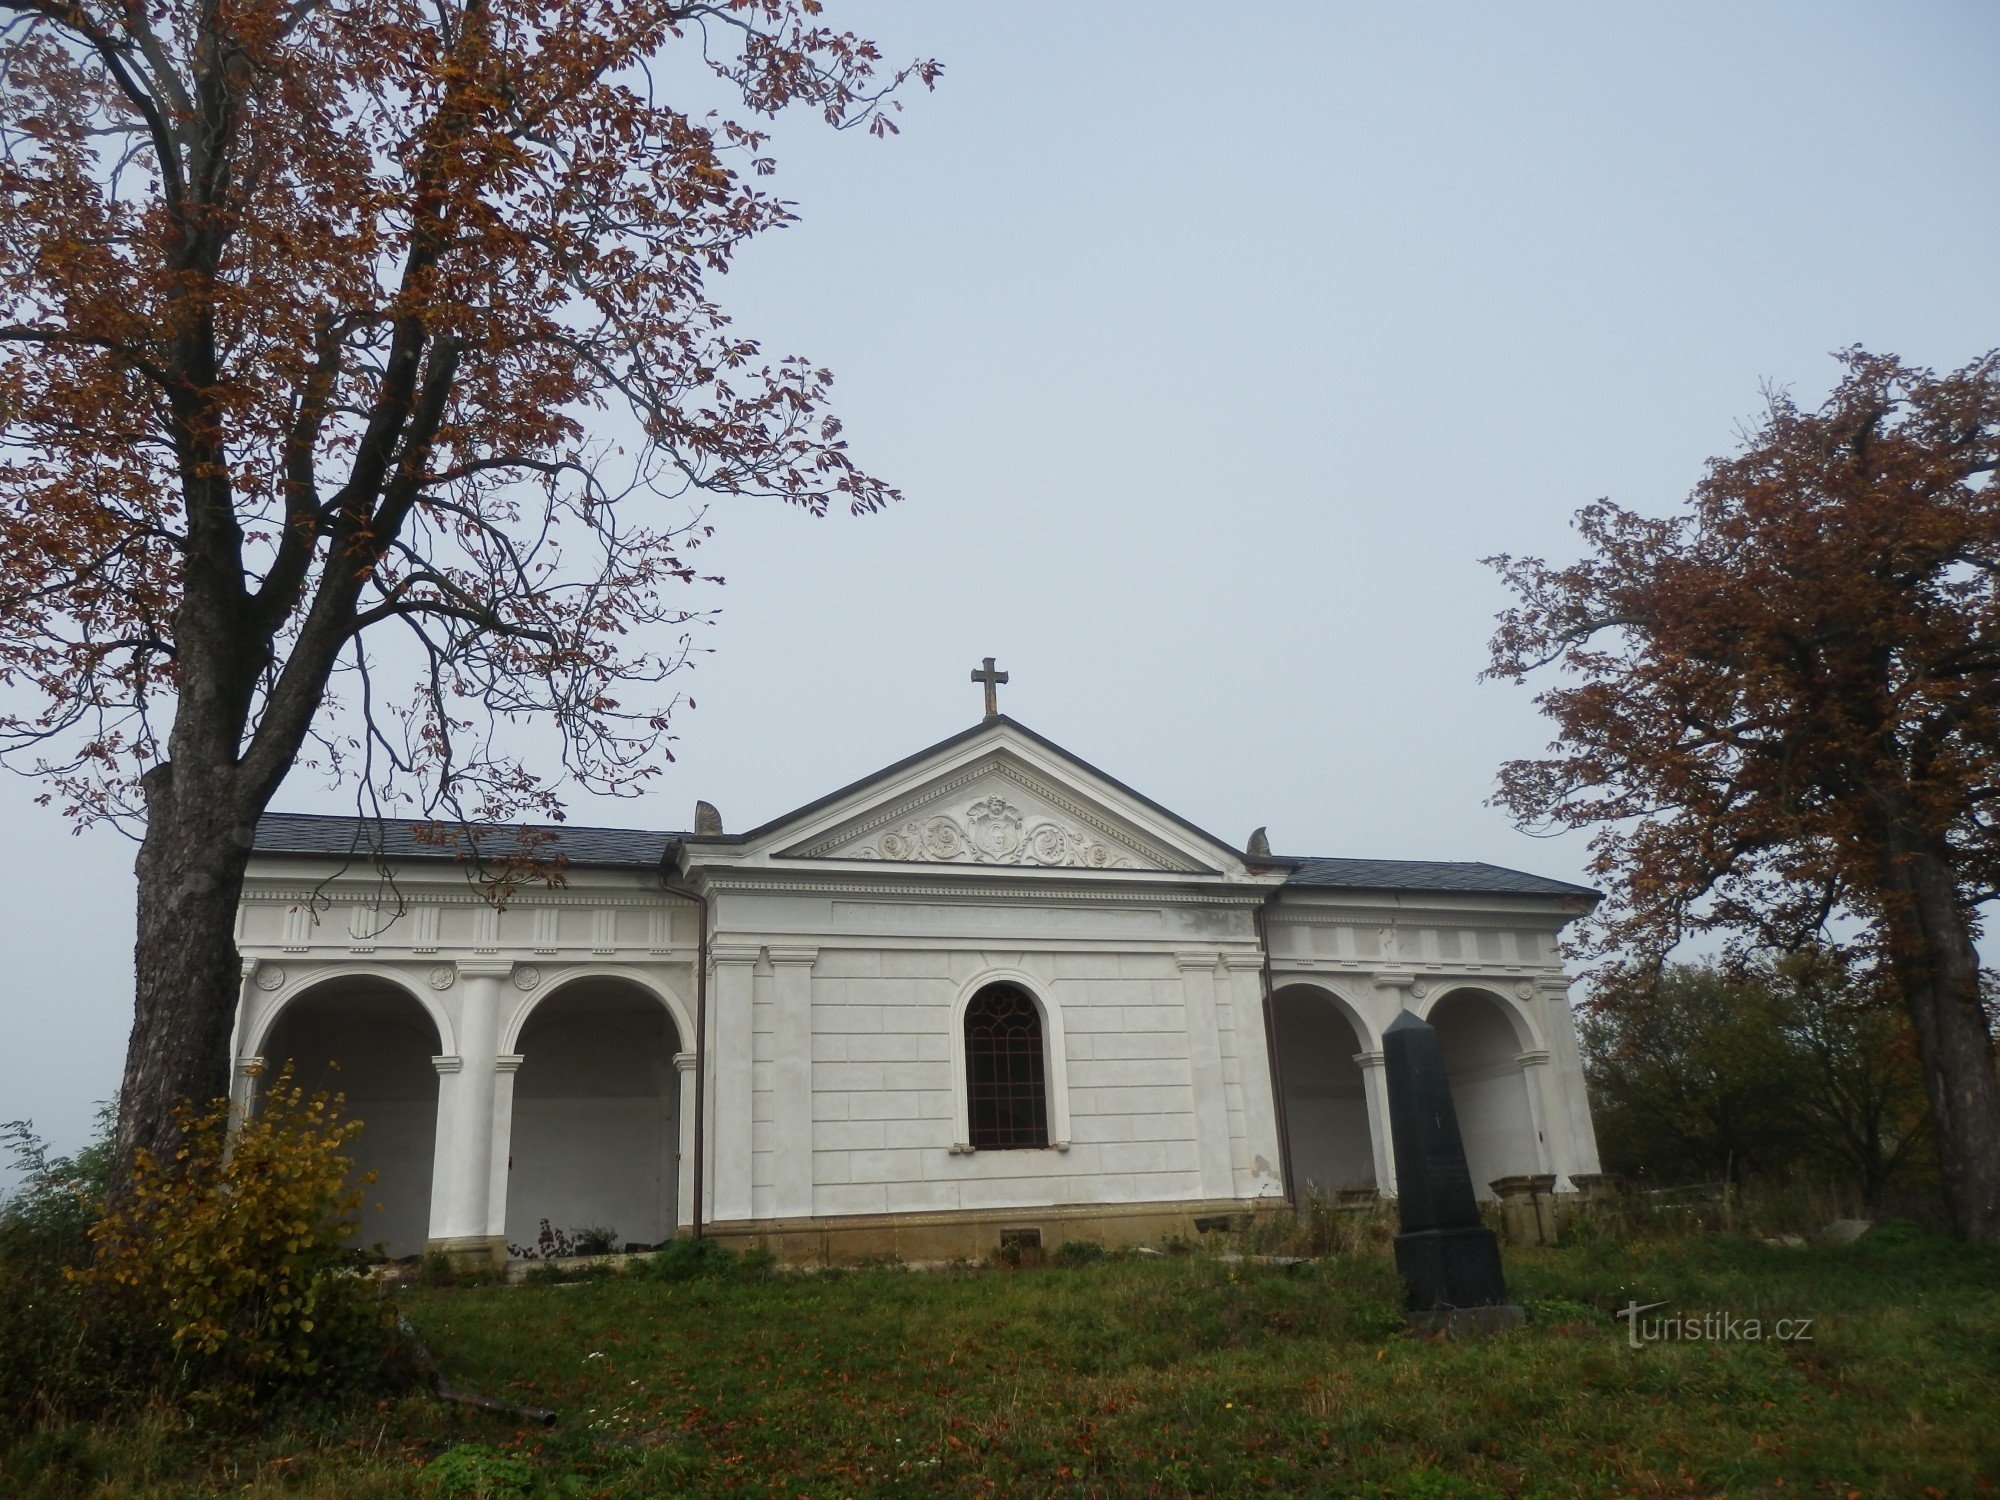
994, 797
998, 810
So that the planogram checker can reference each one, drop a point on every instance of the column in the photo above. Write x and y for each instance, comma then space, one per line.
447, 1154
1397, 991
1211, 1101
462, 1174
243, 1088
731, 1015
1375, 1084
1535, 1079
243, 1077
791, 982
684, 1157
1567, 1106
1253, 1055
505, 1066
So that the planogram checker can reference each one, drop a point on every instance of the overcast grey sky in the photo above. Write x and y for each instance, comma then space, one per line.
1212, 346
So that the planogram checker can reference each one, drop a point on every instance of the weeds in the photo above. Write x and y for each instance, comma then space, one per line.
558, 1244
700, 1373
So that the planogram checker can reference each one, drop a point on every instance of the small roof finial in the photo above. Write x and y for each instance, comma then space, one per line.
707, 821
1260, 842
992, 680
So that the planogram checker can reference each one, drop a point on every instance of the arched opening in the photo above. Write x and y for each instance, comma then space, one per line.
1006, 1071
1488, 1088
596, 1116
1325, 1100
370, 1040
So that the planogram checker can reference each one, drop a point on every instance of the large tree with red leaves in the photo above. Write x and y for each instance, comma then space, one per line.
311, 315
1780, 710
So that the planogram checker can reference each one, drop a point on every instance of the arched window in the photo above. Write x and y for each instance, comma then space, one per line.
1006, 1090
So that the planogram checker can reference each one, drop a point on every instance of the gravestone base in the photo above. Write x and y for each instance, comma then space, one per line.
1467, 1322
1528, 1208
1445, 1269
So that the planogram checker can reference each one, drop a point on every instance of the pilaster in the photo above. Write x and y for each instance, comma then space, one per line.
731, 1017
684, 1122
791, 974
1211, 1101
1245, 973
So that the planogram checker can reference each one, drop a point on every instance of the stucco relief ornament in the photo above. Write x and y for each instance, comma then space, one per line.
1525, 988
943, 839
270, 976
992, 831
526, 976
443, 977
996, 828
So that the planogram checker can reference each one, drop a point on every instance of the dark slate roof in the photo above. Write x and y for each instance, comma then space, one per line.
343, 837
1426, 875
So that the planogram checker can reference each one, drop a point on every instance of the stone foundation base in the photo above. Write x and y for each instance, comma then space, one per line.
470, 1251
974, 1234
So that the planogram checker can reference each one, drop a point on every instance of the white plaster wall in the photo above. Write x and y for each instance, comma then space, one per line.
374, 1046
1325, 1098
594, 1133
883, 1089
1488, 1088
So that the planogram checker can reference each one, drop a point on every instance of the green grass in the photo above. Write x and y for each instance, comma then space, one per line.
1149, 1376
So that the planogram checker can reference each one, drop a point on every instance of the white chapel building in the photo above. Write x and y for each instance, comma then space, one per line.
988, 989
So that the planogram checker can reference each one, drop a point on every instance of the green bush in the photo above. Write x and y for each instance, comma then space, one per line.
228, 1267
705, 1260
1078, 1252
46, 1370
49, 1218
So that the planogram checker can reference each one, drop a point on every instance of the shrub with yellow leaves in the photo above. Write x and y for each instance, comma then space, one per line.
228, 1265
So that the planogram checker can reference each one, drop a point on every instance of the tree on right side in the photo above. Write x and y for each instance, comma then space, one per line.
1786, 1073
1779, 710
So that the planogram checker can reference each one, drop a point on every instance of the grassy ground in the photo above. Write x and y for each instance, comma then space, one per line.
1161, 1376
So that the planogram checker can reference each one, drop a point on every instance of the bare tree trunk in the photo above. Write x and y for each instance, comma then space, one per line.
1938, 969
190, 874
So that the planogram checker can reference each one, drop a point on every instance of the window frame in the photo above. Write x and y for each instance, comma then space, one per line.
1055, 1072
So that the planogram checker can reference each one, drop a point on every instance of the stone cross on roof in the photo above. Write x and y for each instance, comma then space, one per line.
992, 681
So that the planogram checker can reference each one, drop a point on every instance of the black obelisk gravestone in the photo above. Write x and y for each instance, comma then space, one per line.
1448, 1260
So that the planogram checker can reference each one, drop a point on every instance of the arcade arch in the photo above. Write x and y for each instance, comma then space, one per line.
370, 1039
594, 1140
1325, 1094
1481, 1039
